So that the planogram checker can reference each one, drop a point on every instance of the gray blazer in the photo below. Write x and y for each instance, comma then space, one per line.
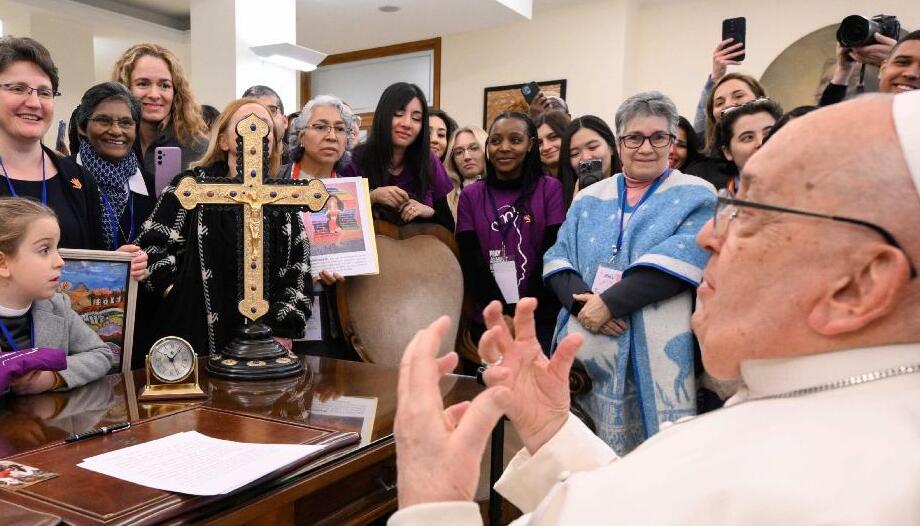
57, 326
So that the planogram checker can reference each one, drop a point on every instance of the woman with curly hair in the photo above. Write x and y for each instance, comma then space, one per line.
170, 116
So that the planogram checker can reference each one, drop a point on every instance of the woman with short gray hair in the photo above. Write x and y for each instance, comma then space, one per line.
631, 237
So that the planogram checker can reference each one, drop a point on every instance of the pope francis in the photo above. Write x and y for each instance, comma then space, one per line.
810, 296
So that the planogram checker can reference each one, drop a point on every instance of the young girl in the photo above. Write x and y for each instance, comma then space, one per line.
507, 221
33, 315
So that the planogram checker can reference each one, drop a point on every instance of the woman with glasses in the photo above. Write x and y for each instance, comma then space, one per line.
407, 180
319, 137
466, 161
170, 116
741, 131
103, 131
624, 268
28, 87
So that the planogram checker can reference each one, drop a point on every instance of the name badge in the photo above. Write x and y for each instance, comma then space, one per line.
505, 272
605, 278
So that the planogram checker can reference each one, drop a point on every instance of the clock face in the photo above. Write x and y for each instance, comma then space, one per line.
171, 359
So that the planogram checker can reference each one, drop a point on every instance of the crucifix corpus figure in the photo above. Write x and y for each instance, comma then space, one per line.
253, 354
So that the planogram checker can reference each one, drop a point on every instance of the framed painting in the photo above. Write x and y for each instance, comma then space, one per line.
499, 99
102, 292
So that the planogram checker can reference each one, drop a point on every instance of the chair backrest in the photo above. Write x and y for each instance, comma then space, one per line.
420, 280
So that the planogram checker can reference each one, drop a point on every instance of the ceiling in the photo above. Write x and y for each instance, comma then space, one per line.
335, 26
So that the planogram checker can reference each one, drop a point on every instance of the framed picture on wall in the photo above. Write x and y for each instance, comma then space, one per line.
500, 99
101, 291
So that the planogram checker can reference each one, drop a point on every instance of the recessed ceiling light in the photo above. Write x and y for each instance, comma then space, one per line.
389, 8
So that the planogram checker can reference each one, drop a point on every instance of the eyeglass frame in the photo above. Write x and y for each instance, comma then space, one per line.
316, 126
460, 150
723, 201
671, 137
8, 85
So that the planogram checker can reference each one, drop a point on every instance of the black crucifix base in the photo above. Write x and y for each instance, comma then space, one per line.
254, 355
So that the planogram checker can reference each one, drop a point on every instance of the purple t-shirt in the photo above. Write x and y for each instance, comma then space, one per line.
521, 233
440, 182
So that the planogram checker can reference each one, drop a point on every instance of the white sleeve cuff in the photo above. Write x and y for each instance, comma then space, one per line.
451, 513
529, 478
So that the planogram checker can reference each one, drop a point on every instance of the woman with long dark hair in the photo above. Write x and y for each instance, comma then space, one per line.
507, 221
407, 181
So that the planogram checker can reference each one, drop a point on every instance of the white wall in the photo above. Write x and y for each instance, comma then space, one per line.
583, 44
614, 48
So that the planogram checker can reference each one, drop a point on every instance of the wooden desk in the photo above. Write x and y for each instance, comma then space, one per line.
353, 485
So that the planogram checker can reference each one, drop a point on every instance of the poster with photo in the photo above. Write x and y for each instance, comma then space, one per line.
342, 233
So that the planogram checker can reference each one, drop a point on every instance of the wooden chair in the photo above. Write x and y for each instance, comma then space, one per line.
420, 280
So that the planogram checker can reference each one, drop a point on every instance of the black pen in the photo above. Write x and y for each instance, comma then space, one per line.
107, 430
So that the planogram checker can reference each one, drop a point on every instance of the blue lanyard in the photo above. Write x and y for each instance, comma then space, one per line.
621, 195
9, 182
9, 336
115, 220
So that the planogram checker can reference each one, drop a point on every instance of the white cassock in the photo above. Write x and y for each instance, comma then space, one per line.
846, 456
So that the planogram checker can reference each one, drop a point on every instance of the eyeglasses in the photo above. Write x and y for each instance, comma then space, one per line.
758, 103
636, 140
460, 150
104, 121
323, 129
728, 208
22, 89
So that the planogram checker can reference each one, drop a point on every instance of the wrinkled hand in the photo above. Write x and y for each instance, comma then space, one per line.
139, 263
438, 451
875, 54
33, 382
391, 196
724, 55
614, 327
539, 386
413, 209
329, 278
594, 314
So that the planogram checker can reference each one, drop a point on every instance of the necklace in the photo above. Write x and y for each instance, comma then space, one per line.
865, 378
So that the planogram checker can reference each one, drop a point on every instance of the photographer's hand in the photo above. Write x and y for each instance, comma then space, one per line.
875, 54
844, 67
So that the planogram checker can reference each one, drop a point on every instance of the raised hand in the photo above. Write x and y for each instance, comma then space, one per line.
438, 451
539, 387
724, 55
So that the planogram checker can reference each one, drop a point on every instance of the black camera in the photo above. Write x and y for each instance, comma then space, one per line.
590, 171
859, 31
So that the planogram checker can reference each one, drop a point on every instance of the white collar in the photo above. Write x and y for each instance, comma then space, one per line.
8, 312
136, 183
906, 112
780, 375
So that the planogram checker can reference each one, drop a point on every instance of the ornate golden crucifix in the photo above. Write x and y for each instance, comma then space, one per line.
254, 194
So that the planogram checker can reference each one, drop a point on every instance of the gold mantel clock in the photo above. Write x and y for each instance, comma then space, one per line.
172, 371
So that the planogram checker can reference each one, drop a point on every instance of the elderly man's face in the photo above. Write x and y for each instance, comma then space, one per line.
766, 268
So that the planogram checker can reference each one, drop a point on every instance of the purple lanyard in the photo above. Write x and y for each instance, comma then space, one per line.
9, 182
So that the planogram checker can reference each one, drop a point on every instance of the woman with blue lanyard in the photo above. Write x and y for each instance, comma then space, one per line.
106, 123
28, 87
624, 267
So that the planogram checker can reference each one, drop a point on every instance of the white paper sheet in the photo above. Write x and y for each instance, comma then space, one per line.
196, 464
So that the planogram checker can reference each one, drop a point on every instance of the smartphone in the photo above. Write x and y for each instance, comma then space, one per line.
62, 129
529, 91
168, 164
735, 28
590, 171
